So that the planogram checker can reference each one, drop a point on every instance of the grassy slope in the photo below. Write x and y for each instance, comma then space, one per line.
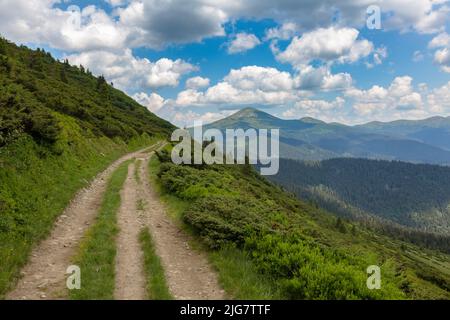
59, 127
96, 258
270, 242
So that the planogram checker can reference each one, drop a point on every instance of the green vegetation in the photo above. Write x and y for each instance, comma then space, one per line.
32, 90
54, 139
387, 196
96, 258
301, 251
37, 184
137, 167
157, 288
140, 205
239, 275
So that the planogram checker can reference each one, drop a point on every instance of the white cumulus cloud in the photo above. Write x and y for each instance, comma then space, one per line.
131, 73
441, 56
243, 42
321, 78
284, 32
326, 45
154, 102
247, 85
197, 82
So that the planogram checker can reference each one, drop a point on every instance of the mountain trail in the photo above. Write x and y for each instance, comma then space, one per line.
44, 276
130, 280
189, 275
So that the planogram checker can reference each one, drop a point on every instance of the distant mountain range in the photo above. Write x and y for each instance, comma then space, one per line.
409, 194
422, 141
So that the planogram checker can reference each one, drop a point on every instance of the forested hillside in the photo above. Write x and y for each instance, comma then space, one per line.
300, 249
59, 127
413, 195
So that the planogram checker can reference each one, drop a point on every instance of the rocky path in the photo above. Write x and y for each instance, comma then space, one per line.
44, 276
130, 279
188, 272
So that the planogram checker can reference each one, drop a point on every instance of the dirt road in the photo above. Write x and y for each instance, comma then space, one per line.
130, 279
44, 276
188, 272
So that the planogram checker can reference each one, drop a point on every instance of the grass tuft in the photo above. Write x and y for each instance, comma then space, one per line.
157, 288
239, 276
137, 167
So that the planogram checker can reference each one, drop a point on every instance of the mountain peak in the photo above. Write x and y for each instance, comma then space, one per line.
311, 120
249, 111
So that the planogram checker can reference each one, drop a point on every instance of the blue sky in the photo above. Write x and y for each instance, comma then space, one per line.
204, 59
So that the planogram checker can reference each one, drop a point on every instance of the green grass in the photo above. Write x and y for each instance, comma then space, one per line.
175, 206
137, 167
38, 181
157, 288
140, 205
239, 276
59, 127
96, 258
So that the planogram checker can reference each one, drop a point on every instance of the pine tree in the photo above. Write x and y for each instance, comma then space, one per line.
340, 225
63, 76
2, 47
5, 64
101, 82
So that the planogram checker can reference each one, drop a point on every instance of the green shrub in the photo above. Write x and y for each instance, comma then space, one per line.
44, 126
5, 64
308, 271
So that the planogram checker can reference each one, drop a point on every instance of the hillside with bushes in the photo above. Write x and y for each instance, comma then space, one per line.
302, 250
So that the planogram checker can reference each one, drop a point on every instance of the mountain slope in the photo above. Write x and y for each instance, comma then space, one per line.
310, 139
59, 127
33, 85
